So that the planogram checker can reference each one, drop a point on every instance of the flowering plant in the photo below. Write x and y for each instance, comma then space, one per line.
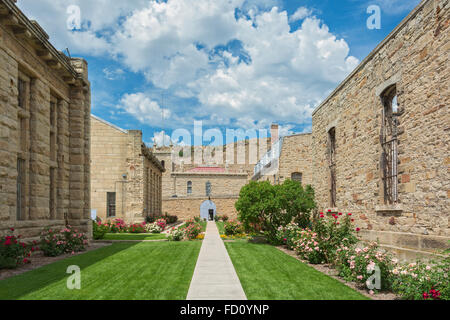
233, 227
307, 246
137, 228
153, 228
13, 252
176, 234
192, 231
422, 281
162, 223
288, 234
99, 229
57, 242
117, 226
359, 264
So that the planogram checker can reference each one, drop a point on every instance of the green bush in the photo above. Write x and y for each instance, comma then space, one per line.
99, 230
57, 242
233, 227
265, 207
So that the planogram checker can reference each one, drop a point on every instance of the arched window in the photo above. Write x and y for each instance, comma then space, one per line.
189, 187
389, 144
297, 176
208, 189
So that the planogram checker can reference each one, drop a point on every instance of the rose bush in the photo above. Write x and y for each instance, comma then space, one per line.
176, 234
233, 227
99, 230
136, 228
56, 242
14, 252
153, 228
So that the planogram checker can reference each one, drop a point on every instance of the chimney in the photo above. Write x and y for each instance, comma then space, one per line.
274, 133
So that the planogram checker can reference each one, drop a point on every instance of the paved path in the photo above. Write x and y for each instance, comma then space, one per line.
214, 276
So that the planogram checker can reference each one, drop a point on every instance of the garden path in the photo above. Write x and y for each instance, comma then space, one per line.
214, 276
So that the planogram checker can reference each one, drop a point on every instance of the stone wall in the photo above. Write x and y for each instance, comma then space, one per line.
124, 166
296, 157
187, 208
415, 59
44, 129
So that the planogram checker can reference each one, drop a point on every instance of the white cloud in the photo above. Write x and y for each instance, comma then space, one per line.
300, 14
286, 74
161, 139
113, 73
144, 109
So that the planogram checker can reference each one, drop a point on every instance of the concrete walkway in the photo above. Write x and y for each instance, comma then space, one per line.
214, 276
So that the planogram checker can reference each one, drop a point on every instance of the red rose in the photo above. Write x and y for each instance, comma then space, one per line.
12, 229
358, 229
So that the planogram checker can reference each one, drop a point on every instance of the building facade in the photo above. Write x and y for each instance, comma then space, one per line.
289, 158
381, 142
126, 178
44, 130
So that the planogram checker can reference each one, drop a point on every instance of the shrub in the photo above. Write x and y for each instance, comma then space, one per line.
289, 234
189, 222
117, 226
13, 252
232, 227
422, 281
176, 234
358, 264
197, 219
266, 207
99, 230
224, 218
333, 232
137, 228
192, 231
307, 246
216, 218
161, 223
170, 218
153, 228
54, 243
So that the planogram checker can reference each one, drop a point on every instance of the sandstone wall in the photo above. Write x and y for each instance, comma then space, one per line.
296, 157
188, 208
48, 132
415, 58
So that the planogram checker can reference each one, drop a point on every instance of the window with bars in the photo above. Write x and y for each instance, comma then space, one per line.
332, 165
111, 204
389, 145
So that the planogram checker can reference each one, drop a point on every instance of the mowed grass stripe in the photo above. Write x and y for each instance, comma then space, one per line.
122, 271
266, 273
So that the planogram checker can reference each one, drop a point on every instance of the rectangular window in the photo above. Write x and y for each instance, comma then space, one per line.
52, 198
20, 201
332, 164
110, 204
52, 113
22, 87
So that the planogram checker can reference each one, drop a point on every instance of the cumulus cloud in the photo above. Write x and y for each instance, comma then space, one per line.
144, 109
300, 14
239, 59
161, 139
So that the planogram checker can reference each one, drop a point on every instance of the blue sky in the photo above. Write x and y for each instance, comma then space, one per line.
230, 63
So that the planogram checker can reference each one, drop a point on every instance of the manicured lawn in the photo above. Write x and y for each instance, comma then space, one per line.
122, 271
134, 236
219, 225
266, 273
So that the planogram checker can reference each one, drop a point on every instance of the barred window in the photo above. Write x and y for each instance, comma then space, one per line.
389, 145
332, 165
110, 204
189, 187
208, 189
297, 176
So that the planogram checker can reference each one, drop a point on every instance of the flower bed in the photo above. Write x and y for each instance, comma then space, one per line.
57, 242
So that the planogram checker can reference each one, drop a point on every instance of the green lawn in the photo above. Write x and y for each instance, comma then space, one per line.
134, 236
122, 271
266, 273
219, 225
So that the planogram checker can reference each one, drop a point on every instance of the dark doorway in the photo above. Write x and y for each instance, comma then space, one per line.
211, 214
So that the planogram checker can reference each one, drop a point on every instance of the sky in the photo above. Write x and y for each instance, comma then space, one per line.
160, 65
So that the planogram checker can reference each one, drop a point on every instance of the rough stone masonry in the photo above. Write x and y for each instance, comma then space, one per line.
398, 96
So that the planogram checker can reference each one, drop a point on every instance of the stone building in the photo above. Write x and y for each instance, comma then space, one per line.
381, 140
126, 178
289, 158
44, 130
188, 186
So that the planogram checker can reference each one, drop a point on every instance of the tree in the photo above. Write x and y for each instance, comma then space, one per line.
272, 206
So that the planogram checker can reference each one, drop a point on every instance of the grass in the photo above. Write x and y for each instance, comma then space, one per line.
266, 273
220, 226
134, 236
122, 271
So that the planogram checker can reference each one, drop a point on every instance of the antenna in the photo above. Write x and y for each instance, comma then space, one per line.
162, 123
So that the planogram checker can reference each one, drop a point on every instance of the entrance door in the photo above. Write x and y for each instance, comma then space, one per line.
208, 210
